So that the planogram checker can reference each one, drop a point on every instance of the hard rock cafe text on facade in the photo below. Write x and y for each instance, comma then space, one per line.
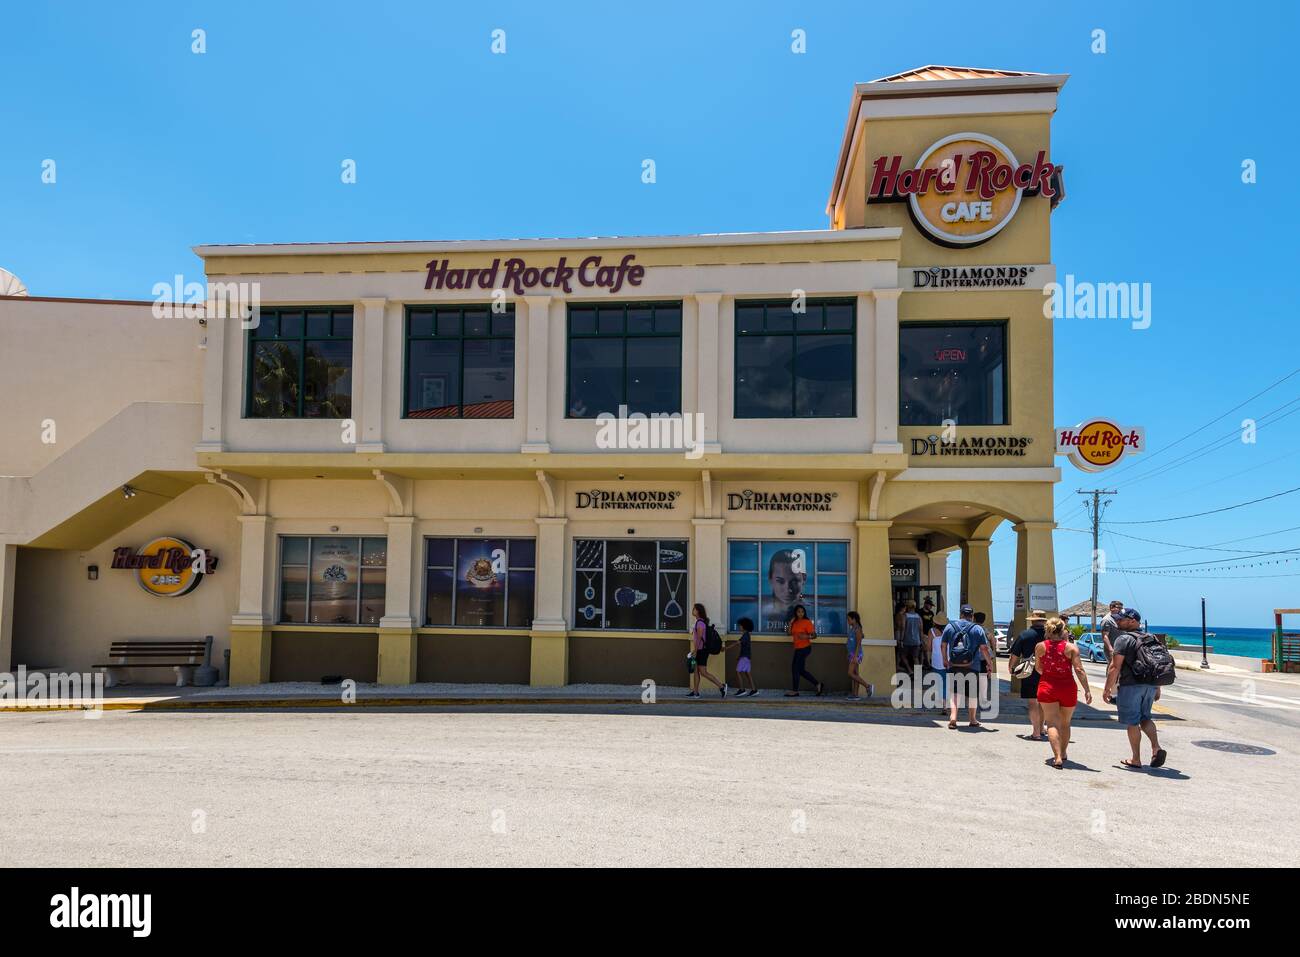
408, 465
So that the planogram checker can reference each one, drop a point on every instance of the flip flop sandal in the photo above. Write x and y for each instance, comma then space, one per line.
1158, 759
1129, 764
952, 725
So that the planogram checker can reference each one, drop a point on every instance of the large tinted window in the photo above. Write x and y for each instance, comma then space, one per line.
300, 364
624, 354
795, 363
480, 582
952, 372
630, 583
460, 362
767, 579
333, 580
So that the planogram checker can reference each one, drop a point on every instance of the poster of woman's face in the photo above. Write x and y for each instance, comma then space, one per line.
787, 576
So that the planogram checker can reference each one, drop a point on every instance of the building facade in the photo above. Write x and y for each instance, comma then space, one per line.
524, 461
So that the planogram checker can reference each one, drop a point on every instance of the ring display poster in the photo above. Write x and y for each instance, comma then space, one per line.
631, 584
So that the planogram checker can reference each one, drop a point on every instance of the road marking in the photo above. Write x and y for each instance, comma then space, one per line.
1196, 696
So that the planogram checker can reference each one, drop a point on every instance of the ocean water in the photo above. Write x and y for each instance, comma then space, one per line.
1246, 642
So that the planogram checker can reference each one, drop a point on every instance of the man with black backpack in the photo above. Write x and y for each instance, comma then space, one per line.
964, 643
1139, 667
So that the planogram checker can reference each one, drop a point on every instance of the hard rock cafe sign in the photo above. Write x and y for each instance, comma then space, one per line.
965, 188
166, 567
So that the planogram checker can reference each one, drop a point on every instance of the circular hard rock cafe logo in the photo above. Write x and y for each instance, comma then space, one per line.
1097, 444
975, 196
165, 567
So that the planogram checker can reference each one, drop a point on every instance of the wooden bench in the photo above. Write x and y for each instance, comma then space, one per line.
181, 655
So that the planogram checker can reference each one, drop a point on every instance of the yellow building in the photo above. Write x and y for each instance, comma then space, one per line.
410, 464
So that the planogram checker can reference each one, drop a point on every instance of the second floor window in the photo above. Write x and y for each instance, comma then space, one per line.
952, 372
795, 365
460, 362
300, 364
624, 354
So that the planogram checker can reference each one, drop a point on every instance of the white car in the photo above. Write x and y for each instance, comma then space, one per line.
1001, 642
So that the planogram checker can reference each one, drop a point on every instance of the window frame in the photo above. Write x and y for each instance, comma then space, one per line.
309, 538
1006, 368
794, 333
461, 338
570, 336
250, 348
659, 542
816, 574
455, 561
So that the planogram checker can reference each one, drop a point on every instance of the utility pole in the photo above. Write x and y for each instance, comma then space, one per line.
1097, 507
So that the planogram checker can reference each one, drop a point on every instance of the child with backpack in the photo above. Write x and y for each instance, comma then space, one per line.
962, 643
744, 662
705, 641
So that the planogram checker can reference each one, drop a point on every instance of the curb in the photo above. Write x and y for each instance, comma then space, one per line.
237, 704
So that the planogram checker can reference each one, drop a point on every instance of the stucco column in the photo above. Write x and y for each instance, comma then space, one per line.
537, 326
397, 638
214, 376
977, 576
874, 601
706, 570
8, 562
708, 326
250, 629
550, 631
886, 372
368, 357
1035, 565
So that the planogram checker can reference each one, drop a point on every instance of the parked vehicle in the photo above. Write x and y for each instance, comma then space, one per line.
1091, 647
1001, 642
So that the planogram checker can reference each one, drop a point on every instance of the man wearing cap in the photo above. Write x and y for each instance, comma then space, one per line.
1021, 649
963, 643
1109, 627
1133, 698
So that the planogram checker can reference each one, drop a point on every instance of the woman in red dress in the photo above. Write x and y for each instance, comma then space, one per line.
1057, 661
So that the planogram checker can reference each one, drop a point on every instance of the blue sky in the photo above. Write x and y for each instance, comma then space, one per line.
158, 149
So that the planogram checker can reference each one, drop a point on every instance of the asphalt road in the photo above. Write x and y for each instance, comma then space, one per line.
676, 783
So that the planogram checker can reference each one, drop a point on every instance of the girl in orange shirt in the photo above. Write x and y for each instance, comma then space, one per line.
802, 631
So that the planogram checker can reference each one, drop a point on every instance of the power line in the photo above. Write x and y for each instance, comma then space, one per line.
1213, 511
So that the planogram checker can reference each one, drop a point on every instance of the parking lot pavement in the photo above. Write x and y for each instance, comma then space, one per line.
667, 784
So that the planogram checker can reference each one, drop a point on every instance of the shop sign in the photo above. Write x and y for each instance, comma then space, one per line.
794, 501
628, 499
964, 188
1099, 443
971, 277
167, 567
976, 445
904, 572
518, 276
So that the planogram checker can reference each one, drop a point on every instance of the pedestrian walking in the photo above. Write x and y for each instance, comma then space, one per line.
744, 663
705, 641
1023, 665
1139, 667
964, 643
934, 656
1057, 661
911, 637
854, 647
802, 632
1110, 627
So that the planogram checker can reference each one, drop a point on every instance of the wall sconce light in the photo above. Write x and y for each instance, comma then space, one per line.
478, 530
631, 531
789, 531
334, 528
92, 573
